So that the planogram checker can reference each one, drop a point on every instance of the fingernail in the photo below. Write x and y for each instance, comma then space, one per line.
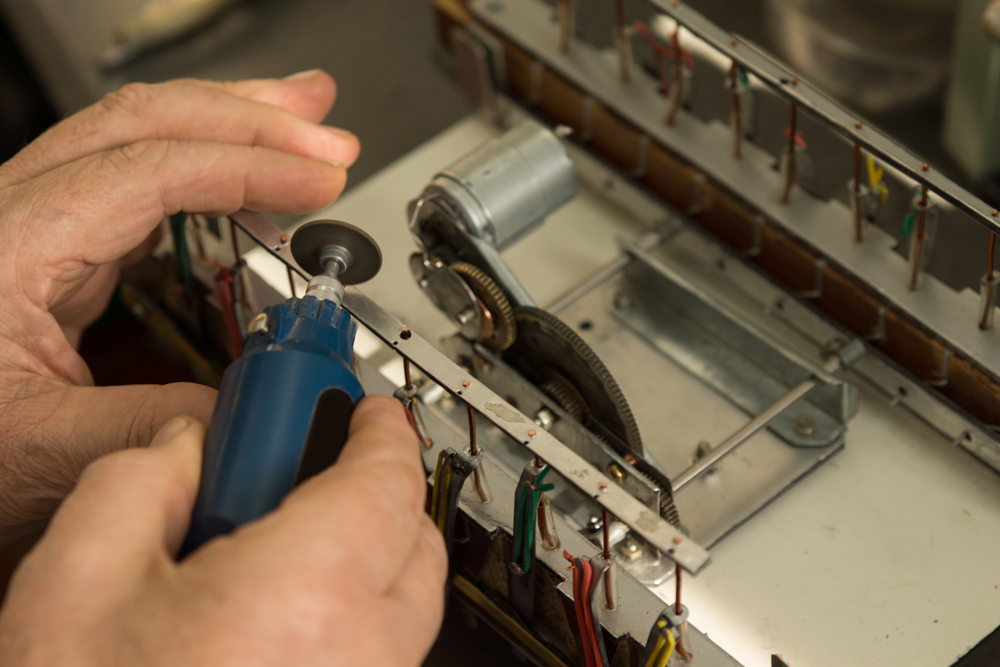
340, 132
302, 76
170, 430
335, 163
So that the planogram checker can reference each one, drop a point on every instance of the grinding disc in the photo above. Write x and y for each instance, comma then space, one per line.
309, 240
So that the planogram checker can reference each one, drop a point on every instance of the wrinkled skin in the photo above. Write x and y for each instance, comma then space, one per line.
102, 586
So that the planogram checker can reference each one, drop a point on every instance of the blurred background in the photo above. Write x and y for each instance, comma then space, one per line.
890, 60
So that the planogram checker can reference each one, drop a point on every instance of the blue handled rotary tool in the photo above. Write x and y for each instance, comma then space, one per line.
284, 406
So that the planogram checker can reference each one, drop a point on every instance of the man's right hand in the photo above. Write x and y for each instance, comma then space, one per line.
348, 571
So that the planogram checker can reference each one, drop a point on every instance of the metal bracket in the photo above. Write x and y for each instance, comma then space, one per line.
730, 355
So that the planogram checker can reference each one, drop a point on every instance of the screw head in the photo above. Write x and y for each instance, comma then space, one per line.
616, 473
258, 325
702, 450
804, 427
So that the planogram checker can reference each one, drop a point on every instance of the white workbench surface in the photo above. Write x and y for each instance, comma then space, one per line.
888, 554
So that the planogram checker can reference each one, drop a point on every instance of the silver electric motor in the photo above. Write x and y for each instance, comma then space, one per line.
508, 186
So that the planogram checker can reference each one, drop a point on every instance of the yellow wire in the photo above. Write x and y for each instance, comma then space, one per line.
671, 643
442, 517
875, 178
660, 641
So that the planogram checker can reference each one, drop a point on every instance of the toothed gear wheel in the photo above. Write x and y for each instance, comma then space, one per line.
553, 356
568, 398
548, 349
495, 301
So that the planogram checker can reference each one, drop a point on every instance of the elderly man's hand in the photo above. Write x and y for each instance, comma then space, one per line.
348, 571
85, 198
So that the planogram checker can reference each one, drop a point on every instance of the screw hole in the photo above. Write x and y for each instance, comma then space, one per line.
586, 325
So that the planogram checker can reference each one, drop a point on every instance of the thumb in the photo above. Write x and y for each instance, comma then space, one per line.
65, 430
134, 507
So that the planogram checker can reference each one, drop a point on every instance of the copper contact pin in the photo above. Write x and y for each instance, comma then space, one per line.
988, 288
918, 251
790, 165
482, 488
737, 113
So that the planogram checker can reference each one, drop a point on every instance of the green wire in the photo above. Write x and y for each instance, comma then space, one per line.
908, 225
540, 477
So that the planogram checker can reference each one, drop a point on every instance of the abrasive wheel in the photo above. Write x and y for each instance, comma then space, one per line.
503, 332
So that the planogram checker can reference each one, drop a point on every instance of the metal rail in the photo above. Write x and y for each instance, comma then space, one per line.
442, 370
786, 84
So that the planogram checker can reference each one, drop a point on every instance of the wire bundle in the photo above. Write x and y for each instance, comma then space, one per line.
585, 583
529, 493
664, 647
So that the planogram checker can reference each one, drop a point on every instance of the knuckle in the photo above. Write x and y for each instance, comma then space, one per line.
132, 100
137, 156
406, 484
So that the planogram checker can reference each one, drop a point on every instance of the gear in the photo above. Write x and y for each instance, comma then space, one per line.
504, 325
569, 399
548, 349
560, 363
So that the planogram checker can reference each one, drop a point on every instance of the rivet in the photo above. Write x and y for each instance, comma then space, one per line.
735, 41
532, 433
996, 213
795, 80
678, 539
603, 486
857, 124
284, 239
465, 383
926, 167
405, 333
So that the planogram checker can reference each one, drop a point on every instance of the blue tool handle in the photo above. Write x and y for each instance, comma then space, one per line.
281, 416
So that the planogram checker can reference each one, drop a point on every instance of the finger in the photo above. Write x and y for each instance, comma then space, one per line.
374, 495
59, 235
309, 94
185, 110
60, 432
134, 506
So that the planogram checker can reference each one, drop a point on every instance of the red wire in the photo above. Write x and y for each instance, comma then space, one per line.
578, 606
413, 423
224, 290
591, 626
